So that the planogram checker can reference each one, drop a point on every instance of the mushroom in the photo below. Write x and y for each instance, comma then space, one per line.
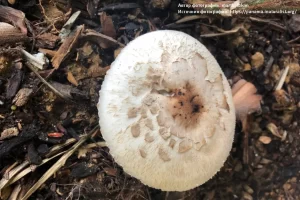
166, 111
245, 99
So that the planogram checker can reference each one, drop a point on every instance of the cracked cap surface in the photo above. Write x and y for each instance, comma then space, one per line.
166, 111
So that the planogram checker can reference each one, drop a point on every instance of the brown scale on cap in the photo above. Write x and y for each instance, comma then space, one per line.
185, 106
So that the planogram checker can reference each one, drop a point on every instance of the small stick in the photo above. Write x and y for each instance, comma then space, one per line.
271, 23
282, 78
46, 83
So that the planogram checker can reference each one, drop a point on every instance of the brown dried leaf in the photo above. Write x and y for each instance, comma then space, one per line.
72, 79
107, 24
47, 40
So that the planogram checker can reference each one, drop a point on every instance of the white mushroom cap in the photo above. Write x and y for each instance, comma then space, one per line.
166, 111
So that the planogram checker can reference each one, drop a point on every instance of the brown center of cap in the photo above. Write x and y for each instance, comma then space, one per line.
185, 106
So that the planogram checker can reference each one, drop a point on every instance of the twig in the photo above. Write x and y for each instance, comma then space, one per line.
265, 21
293, 40
230, 32
186, 19
93, 145
245, 125
61, 162
33, 60
282, 78
44, 13
46, 83
104, 41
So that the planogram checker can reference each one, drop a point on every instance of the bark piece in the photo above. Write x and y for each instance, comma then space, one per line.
10, 34
13, 16
66, 47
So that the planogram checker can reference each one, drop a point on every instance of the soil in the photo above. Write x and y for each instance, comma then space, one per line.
46, 110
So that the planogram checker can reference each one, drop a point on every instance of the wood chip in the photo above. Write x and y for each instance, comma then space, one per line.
22, 97
8, 133
68, 46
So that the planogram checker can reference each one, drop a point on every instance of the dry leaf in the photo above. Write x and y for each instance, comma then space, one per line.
47, 40
107, 24
72, 79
